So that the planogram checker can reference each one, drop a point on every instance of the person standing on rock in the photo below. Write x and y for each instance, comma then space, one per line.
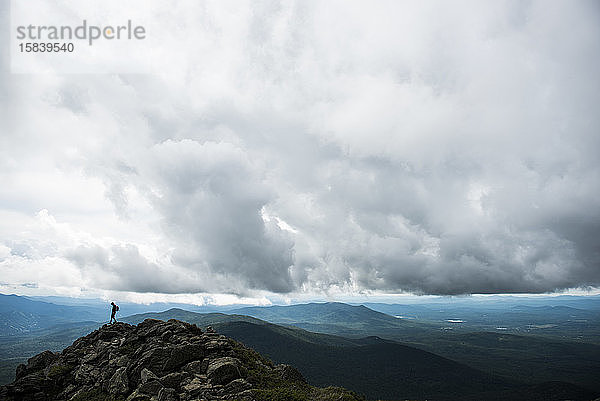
115, 308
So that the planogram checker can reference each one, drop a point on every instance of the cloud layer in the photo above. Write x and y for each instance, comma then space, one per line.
317, 148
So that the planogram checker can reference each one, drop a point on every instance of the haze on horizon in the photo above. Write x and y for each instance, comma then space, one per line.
313, 150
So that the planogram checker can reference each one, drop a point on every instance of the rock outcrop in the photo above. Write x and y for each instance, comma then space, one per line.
159, 361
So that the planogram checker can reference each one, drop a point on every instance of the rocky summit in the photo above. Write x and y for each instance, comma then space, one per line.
160, 361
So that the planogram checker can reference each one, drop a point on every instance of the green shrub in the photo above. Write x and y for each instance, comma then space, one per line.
337, 394
57, 371
281, 394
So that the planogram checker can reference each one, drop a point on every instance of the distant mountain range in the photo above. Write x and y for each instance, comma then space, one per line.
384, 369
340, 319
372, 366
557, 319
506, 358
321, 313
535, 358
428, 362
20, 315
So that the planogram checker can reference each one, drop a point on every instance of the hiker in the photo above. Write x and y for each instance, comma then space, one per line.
115, 308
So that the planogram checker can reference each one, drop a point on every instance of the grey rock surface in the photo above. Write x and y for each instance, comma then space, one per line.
153, 361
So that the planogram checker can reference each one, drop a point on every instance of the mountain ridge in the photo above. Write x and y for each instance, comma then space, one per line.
160, 361
22, 315
538, 360
378, 368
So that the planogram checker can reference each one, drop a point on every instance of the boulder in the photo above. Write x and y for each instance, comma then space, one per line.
195, 387
194, 367
237, 386
137, 396
180, 355
151, 387
173, 380
119, 384
146, 375
21, 371
38, 362
223, 370
167, 394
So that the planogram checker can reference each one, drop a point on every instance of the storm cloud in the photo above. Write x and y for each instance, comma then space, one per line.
318, 147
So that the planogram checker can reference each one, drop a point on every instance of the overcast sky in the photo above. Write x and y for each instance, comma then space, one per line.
315, 148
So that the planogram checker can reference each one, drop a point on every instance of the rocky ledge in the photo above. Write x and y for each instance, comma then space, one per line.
160, 361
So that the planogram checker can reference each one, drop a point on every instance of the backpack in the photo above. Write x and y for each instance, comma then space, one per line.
116, 310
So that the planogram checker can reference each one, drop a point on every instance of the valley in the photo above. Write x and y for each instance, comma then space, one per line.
368, 350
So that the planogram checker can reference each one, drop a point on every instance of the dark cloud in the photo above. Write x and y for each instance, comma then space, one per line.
211, 198
309, 148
